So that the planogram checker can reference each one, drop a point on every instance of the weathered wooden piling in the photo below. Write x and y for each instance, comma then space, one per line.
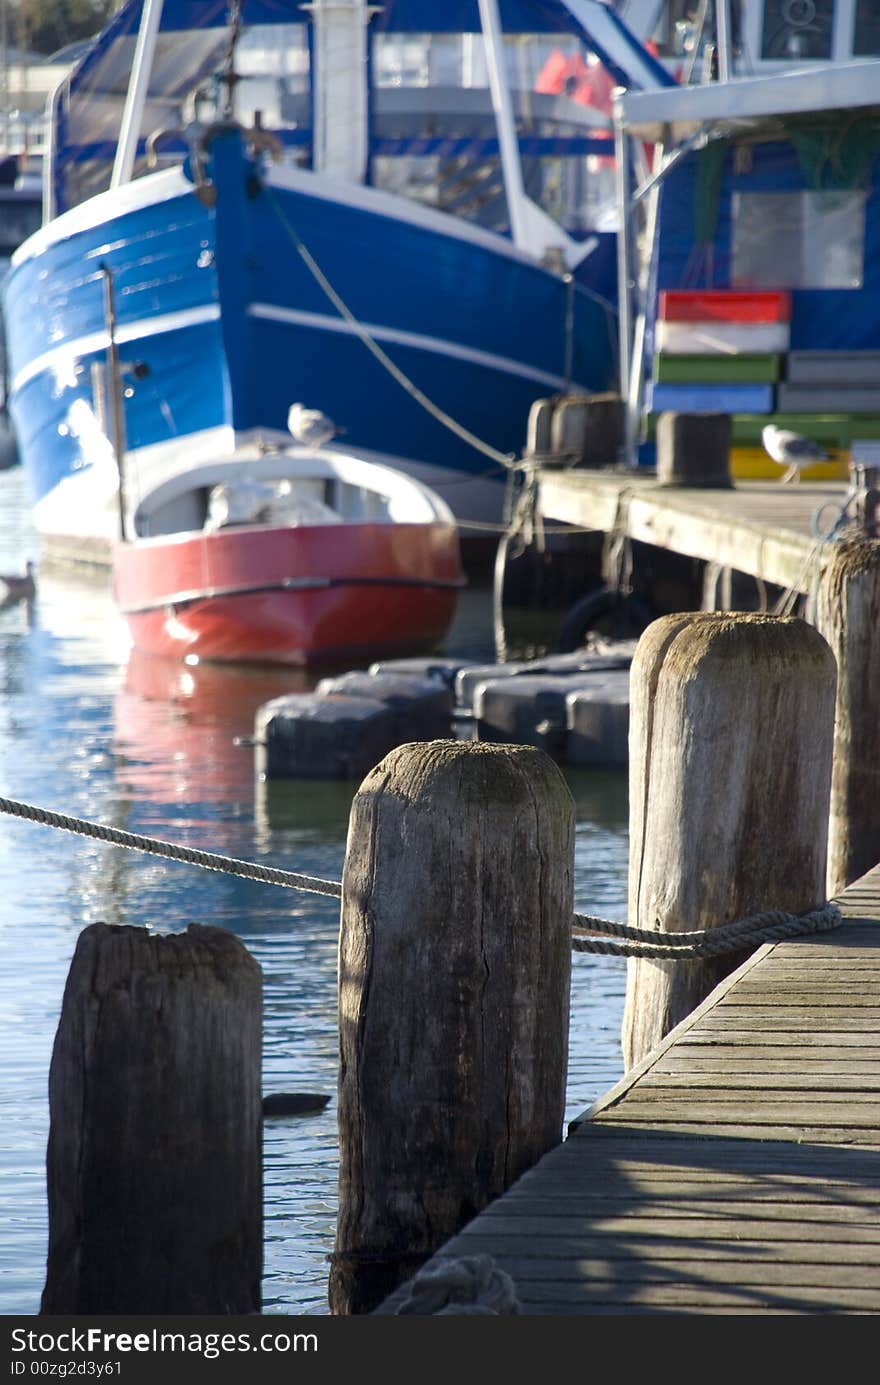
731, 732
693, 449
848, 615
454, 975
155, 1146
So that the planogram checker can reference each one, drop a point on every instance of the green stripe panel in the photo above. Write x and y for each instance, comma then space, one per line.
836, 430
743, 368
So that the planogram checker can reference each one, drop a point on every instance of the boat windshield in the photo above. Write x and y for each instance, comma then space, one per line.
431, 126
272, 77
434, 136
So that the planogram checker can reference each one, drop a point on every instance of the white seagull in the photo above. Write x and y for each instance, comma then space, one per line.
791, 450
310, 426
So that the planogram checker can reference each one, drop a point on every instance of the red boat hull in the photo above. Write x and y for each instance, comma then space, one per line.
310, 596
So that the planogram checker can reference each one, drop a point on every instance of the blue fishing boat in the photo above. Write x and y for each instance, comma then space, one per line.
396, 215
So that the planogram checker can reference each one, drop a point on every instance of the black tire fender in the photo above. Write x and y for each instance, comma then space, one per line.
627, 614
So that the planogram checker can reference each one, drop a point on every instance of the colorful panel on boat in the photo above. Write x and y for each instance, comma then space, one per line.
724, 305
849, 368
832, 429
720, 338
747, 368
753, 464
711, 399
838, 433
816, 399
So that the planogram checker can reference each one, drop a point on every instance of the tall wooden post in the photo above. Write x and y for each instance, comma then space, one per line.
155, 1142
849, 617
731, 728
454, 977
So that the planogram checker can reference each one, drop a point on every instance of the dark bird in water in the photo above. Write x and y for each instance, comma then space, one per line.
14, 587
294, 1103
791, 450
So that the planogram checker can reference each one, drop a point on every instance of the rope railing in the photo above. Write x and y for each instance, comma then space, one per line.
208, 860
772, 925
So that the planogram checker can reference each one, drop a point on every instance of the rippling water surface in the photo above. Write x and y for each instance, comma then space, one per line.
90, 729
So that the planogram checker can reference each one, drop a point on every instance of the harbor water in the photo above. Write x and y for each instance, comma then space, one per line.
90, 729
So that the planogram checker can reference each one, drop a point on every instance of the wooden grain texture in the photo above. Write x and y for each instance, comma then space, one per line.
848, 615
731, 729
759, 527
733, 1171
155, 1144
454, 975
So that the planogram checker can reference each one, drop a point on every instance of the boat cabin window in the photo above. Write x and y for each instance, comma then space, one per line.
434, 136
866, 38
272, 62
684, 26
798, 240
19, 218
797, 29
686, 32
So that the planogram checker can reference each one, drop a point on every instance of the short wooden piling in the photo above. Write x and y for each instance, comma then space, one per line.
848, 615
731, 730
454, 975
693, 450
155, 1145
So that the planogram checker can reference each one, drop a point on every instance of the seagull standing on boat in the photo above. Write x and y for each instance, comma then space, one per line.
310, 426
15, 587
791, 450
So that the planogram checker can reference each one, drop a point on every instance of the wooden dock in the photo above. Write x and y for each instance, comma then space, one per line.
735, 1170
759, 527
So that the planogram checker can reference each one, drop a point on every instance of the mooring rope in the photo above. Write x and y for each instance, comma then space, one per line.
770, 926
209, 860
504, 459
472, 1285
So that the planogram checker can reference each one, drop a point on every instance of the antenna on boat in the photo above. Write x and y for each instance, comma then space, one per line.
228, 76
114, 391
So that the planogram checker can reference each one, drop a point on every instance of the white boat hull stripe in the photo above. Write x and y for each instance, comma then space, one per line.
99, 341
192, 317
416, 340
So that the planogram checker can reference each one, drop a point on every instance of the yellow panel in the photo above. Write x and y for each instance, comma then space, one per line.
753, 464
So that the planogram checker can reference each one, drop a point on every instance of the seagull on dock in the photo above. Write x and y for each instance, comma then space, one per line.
310, 426
16, 587
791, 450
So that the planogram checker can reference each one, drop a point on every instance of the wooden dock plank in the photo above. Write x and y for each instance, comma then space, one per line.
735, 1170
759, 527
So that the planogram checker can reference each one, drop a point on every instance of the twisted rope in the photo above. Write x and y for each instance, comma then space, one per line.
472, 1285
208, 860
770, 926
504, 459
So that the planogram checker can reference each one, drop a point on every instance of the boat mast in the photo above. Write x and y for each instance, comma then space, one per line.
723, 39
532, 229
339, 29
136, 96
505, 122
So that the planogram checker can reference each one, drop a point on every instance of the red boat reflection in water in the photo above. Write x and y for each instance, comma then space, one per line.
182, 729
